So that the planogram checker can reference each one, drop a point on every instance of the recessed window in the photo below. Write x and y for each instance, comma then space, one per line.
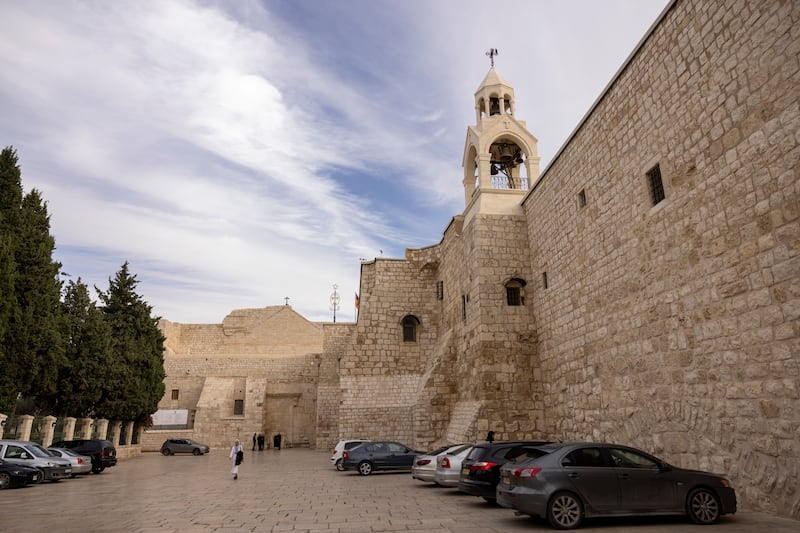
238, 407
410, 324
440, 290
464, 308
544, 280
175, 394
582, 198
655, 184
514, 294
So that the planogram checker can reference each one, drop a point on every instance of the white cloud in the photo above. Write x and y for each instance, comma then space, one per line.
236, 155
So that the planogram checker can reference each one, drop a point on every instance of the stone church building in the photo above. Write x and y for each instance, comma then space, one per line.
643, 289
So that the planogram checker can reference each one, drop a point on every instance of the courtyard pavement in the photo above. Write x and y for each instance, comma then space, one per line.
289, 490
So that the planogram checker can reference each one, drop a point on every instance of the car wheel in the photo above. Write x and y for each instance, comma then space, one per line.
365, 468
492, 501
166, 451
98, 469
340, 465
564, 511
5, 480
196, 451
703, 506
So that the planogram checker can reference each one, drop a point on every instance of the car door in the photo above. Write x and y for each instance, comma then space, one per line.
17, 455
378, 454
644, 485
182, 446
592, 477
400, 456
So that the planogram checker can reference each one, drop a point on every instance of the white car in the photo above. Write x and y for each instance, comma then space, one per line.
81, 464
336, 456
448, 467
424, 466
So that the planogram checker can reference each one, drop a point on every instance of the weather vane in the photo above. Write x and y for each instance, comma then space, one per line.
491, 53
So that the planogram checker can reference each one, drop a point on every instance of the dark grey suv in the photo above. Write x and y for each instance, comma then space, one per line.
102, 452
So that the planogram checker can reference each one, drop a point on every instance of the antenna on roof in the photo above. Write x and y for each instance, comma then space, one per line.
491, 53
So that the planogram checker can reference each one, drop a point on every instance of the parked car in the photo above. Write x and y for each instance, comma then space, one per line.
570, 482
448, 467
480, 469
28, 453
341, 446
424, 466
14, 475
102, 452
379, 455
173, 446
81, 464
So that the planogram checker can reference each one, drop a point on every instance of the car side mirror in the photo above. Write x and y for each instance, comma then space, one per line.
24, 455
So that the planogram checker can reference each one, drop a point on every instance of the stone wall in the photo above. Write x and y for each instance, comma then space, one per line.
675, 327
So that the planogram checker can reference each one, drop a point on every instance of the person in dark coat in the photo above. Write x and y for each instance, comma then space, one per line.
254, 442
490, 437
261, 442
276, 441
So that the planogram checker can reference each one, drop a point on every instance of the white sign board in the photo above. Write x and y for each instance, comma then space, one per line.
171, 417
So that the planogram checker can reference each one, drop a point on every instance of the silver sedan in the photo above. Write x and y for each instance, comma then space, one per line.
448, 467
81, 464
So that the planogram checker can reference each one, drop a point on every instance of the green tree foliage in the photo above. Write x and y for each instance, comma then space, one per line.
136, 381
82, 377
30, 290
10, 203
38, 291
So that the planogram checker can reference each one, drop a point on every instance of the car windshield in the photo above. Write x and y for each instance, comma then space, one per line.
38, 451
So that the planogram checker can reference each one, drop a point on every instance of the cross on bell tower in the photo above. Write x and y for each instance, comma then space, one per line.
491, 53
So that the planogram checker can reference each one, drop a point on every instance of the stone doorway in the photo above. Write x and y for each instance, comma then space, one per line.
285, 414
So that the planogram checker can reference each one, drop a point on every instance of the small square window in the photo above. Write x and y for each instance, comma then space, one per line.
175, 394
238, 407
582, 198
655, 184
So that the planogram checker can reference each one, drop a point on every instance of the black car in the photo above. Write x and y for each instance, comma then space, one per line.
379, 455
13, 475
480, 470
102, 452
571, 481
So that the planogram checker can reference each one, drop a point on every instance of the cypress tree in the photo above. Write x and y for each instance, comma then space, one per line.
38, 291
87, 337
135, 383
10, 206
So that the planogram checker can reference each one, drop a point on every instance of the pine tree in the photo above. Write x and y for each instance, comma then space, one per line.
136, 381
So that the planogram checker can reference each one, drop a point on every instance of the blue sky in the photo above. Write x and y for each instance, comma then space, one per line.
236, 153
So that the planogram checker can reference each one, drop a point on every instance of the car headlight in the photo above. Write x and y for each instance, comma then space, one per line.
725, 483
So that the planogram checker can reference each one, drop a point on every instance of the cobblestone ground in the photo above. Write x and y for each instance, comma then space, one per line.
289, 490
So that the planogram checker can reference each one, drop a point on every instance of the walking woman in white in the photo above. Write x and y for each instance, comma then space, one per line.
237, 454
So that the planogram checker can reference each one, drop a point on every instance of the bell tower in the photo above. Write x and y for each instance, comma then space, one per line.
501, 160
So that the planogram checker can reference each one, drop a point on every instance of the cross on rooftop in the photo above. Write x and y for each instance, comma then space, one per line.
491, 53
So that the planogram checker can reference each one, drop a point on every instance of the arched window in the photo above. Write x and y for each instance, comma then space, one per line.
514, 291
410, 323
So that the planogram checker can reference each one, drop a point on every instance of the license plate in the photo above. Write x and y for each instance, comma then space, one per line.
68, 471
465, 470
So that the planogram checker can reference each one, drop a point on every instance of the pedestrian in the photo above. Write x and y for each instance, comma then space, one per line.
276, 441
254, 442
237, 455
261, 442
490, 437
